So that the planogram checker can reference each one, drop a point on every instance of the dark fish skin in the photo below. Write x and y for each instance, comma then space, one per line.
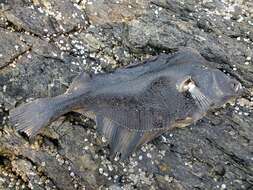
133, 105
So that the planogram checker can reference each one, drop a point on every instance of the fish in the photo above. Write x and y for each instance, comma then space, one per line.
137, 103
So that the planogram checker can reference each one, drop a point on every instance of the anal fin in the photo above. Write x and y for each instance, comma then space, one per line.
122, 140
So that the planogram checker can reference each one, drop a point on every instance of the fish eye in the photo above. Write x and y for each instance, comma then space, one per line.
236, 86
233, 85
188, 81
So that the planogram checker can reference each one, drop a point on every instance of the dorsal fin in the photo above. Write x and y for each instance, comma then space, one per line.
136, 64
80, 82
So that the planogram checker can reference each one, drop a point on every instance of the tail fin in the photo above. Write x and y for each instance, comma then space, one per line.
31, 117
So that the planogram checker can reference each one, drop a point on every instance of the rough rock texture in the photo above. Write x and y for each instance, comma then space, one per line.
45, 44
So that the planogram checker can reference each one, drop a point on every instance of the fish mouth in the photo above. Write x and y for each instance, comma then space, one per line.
238, 91
231, 99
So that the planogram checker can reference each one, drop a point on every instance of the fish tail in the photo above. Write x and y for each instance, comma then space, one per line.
31, 117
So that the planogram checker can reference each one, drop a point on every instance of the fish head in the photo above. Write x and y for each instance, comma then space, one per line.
208, 86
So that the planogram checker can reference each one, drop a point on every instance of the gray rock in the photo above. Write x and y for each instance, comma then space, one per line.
215, 153
31, 20
66, 15
11, 47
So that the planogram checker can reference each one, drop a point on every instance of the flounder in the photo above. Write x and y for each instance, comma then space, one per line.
133, 105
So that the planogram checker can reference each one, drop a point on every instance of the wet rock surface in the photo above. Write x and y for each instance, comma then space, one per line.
45, 44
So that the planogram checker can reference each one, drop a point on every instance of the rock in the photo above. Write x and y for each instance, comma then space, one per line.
45, 44
154, 34
31, 20
106, 12
25, 169
11, 47
94, 45
78, 154
68, 16
35, 81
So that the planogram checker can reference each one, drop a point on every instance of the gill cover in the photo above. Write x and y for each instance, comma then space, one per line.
188, 85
